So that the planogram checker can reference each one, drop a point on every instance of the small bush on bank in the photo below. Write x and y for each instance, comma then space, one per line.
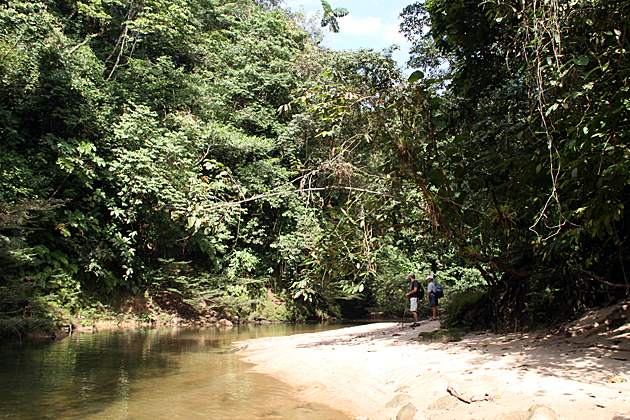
22, 309
270, 308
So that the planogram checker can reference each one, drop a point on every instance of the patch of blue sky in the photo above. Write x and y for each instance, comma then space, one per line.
372, 24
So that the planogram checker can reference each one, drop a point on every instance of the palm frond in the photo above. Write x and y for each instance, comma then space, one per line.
340, 12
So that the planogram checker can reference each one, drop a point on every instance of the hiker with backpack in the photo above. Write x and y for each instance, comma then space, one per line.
416, 292
433, 297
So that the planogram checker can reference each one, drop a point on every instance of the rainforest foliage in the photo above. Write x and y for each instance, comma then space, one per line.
213, 153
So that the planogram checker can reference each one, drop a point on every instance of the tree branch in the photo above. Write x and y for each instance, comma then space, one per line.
601, 280
85, 41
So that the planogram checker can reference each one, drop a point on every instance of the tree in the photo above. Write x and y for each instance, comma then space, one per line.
518, 166
146, 133
330, 18
540, 97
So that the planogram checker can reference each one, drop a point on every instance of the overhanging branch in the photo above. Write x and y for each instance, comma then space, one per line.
328, 188
601, 280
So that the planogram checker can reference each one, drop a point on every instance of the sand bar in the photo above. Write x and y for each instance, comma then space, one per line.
377, 369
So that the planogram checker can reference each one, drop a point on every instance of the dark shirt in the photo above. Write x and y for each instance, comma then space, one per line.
419, 293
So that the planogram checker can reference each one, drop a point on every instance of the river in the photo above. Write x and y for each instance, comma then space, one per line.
165, 373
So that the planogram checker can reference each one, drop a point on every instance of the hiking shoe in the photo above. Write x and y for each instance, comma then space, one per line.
415, 324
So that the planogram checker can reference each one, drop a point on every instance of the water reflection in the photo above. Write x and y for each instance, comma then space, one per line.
142, 374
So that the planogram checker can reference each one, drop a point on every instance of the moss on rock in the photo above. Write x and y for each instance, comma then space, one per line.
468, 310
443, 335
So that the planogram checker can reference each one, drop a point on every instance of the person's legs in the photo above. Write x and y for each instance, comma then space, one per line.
414, 308
433, 303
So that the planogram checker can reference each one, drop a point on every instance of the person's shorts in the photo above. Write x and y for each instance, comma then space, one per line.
414, 304
433, 300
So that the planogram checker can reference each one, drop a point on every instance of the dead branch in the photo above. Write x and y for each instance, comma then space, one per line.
14, 45
122, 47
122, 40
456, 394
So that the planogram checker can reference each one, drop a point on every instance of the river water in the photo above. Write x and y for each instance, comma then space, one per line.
166, 373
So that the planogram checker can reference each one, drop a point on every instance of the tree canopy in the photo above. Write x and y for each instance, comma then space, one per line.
212, 153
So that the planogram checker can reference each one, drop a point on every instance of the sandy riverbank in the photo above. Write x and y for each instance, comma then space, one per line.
375, 370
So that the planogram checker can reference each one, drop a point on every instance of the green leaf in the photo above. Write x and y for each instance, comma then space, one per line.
582, 61
435, 102
415, 76
477, 184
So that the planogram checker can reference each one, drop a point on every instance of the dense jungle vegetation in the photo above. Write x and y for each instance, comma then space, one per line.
213, 157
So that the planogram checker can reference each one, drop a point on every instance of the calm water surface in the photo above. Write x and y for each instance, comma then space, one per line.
148, 374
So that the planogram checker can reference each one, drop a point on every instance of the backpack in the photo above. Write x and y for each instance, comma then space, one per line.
438, 291
420, 292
